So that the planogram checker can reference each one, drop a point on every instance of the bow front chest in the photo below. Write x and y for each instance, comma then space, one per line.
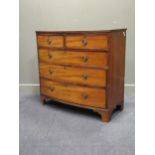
83, 68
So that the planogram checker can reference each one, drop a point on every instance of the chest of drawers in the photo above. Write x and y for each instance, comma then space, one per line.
84, 69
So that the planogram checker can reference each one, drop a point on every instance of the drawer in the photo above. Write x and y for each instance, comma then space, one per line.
74, 75
50, 41
87, 42
95, 97
85, 59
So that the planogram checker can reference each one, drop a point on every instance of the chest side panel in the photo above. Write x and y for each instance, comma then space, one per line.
116, 72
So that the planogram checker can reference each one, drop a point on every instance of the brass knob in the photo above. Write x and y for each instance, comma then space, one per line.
84, 95
84, 58
51, 88
50, 71
49, 41
84, 42
85, 76
49, 55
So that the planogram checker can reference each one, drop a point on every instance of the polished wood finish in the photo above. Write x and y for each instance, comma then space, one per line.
87, 41
77, 75
80, 95
115, 75
79, 32
83, 68
74, 58
50, 41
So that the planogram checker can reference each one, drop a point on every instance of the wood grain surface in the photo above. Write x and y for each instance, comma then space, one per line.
87, 41
95, 97
50, 41
75, 75
78, 58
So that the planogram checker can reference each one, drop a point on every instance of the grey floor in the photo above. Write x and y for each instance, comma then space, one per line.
56, 129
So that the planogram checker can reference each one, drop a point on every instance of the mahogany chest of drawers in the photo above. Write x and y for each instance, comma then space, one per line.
83, 68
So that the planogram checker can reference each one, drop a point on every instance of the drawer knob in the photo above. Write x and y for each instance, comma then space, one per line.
85, 76
49, 42
49, 55
50, 88
50, 71
84, 58
84, 95
84, 42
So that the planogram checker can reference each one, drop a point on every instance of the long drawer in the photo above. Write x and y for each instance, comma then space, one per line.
95, 97
85, 59
76, 75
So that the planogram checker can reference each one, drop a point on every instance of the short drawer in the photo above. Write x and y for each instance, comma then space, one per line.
50, 41
75, 75
87, 42
85, 59
95, 97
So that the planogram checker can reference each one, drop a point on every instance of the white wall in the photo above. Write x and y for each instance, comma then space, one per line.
72, 15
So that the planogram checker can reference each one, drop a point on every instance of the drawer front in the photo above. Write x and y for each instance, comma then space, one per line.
80, 95
50, 41
74, 75
85, 59
87, 42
